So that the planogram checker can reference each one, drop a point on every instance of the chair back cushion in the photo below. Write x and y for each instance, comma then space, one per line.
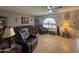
24, 33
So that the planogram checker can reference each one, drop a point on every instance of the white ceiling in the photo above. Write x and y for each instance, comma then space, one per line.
28, 10
34, 10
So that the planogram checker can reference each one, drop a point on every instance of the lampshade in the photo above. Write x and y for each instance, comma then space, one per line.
9, 32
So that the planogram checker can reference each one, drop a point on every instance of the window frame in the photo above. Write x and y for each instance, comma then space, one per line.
48, 23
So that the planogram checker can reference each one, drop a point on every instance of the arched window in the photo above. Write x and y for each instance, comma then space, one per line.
49, 23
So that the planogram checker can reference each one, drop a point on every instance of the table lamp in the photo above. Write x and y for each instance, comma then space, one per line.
8, 34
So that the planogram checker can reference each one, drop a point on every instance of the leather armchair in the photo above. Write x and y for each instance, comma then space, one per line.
28, 42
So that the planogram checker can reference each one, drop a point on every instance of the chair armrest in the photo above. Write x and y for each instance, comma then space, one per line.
14, 49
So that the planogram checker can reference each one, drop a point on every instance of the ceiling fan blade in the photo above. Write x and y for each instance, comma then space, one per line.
54, 8
57, 8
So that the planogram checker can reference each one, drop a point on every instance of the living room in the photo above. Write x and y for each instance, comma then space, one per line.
39, 29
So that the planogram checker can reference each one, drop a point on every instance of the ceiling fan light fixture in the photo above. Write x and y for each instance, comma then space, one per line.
50, 10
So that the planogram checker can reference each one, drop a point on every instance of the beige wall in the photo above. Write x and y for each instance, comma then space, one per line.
73, 22
14, 19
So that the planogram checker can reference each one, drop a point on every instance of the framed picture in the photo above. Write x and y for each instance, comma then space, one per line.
67, 16
24, 20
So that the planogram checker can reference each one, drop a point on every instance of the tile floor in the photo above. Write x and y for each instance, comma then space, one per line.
56, 44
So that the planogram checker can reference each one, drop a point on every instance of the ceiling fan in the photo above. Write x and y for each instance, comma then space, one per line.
53, 8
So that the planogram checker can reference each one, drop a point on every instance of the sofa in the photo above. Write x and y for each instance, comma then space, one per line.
25, 39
